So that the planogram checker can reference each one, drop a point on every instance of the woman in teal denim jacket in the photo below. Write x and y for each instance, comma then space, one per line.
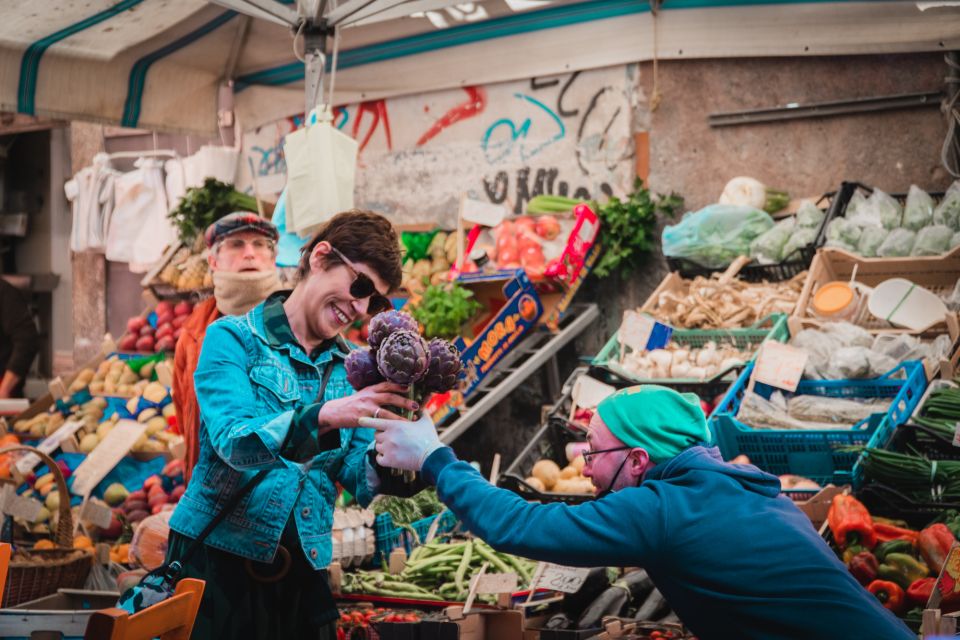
258, 383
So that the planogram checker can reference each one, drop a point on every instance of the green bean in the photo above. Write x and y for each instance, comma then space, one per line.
462, 568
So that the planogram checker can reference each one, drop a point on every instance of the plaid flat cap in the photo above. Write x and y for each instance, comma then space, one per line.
239, 221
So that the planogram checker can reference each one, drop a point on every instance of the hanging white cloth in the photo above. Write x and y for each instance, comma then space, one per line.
91, 193
139, 228
208, 162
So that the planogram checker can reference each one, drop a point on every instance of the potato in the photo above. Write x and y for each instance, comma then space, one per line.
534, 482
569, 472
577, 463
547, 471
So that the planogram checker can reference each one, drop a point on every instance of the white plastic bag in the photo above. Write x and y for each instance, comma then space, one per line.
139, 228
321, 169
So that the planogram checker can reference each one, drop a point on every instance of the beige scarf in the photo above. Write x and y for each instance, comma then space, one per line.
237, 293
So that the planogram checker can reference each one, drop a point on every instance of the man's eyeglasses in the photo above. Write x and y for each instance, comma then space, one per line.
589, 452
259, 245
363, 287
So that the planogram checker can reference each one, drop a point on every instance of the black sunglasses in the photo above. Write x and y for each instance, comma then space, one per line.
363, 287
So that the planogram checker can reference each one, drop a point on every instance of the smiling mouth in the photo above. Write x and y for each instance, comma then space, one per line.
341, 316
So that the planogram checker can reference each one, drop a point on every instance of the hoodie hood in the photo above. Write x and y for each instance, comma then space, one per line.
703, 458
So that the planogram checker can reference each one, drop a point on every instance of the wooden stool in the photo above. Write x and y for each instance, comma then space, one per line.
171, 619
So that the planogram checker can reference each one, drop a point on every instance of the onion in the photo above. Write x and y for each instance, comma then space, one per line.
661, 359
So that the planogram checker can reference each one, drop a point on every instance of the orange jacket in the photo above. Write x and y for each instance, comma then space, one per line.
184, 365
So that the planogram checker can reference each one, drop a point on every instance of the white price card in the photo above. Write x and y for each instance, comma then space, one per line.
96, 512
495, 583
105, 457
18, 506
482, 213
50, 444
635, 330
780, 365
560, 578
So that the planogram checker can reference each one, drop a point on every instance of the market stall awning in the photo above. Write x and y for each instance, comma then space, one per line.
160, 64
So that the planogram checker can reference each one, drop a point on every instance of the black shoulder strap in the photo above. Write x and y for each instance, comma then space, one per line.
248, 486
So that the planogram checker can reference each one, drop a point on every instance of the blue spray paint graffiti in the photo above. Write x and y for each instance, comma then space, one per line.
498, 149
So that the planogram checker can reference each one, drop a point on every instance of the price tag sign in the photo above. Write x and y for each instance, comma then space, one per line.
495, 583
106, 456
50, 444
780, 365
588, 392
18, 506
641, 332
948, 582
482, 213
96, 512
560, 578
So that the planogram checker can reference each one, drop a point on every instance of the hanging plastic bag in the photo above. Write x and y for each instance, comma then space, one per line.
715, 235
767, 248
321, 170
870, 241
809, 216
918, 212
139, 227
932, 241
948, 211
898, 244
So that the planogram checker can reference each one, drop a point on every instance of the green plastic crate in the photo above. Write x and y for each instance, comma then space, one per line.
773, 327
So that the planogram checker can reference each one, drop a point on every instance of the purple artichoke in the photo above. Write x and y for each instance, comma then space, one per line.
387, 323
362, 369
403, 357
444, 367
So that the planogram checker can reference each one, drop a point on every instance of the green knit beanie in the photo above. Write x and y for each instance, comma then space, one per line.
657, 419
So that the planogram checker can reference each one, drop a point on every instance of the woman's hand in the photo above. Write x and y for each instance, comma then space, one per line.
372, 402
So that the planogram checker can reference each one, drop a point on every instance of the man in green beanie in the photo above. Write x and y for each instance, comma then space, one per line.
733, 557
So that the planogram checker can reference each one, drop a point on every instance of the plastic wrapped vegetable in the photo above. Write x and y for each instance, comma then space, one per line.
918, 212
845, 231
713, 236
857, 202
932, 240
798, 240
768, 247
888, 209
809, 216
948, 211
870, 241
899, 243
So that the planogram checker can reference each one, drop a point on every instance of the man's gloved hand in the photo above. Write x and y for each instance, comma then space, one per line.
402, 444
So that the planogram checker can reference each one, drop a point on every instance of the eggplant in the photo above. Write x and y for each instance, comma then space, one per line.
596, 582
614, 600
654, 607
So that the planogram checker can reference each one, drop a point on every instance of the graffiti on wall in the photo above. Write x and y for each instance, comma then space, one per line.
505, 143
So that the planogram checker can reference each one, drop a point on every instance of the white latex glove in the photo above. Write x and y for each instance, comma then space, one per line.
402, 444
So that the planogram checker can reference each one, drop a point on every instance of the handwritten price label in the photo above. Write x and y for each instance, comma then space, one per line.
780, 365
560, 578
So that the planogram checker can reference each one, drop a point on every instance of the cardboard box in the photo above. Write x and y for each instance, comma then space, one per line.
511, 309
481, 624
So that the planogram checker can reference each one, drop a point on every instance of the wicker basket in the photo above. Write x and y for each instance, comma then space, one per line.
34, 574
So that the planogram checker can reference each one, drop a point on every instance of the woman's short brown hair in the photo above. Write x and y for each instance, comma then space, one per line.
362, 236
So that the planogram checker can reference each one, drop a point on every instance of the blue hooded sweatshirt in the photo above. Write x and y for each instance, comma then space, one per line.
732, 556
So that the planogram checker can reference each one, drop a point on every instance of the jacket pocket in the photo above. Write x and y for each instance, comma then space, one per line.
275, 386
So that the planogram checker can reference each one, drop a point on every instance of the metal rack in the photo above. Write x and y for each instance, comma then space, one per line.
536, 350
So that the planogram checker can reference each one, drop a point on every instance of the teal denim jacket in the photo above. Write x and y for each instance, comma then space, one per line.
253, 394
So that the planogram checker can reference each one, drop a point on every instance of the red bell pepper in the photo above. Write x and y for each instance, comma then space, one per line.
935, 542
850, 522
919, 592
889, 594
888, 533
863, 567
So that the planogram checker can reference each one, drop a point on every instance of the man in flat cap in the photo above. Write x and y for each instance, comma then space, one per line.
733, 557
242, 257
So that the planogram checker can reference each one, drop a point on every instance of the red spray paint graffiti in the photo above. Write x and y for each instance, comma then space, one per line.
475, 103
378, 111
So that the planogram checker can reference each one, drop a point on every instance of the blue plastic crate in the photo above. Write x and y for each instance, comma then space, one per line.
390, 536
816, 454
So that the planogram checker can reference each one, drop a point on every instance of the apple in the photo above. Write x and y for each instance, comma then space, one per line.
151, 481
705, 406
136, 323
164, 318
164, 307
158, 499
547, 227
166, 343
146, 330
145, 343
137, 496
183, 308
173, 468
114, 530
176, 333
164, 330
178, 321
128, 343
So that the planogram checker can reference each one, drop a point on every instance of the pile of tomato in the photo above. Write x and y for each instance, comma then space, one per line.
354, 624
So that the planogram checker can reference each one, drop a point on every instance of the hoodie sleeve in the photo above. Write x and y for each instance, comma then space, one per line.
624, 528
